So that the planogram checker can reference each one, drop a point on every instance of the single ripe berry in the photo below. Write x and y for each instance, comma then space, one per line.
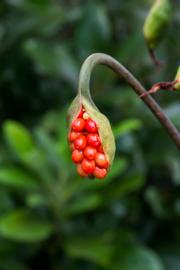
88, 166
73, 135
101, 160
77, 156
80, 170
93, 139
90, 152
81, 113
80, 142
78, 124
99, 172
90, 126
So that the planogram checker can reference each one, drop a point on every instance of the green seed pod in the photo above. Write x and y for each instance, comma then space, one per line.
156, 22
84, 100
177, 78
103, 124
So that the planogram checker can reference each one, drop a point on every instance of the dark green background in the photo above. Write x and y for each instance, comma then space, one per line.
49, 217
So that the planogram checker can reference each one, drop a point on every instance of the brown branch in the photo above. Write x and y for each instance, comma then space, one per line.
169, 86
104, 59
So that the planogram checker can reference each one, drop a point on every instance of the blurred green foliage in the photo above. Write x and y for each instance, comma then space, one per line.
49, 217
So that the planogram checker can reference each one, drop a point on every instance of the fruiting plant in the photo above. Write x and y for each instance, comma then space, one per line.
90, 136
156, 25
86, 147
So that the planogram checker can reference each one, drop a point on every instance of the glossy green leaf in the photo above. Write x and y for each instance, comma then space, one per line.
54, 61
119, 166
23, 226
92, 249
126, 126
18, 138
19, 178
125, 186
155, 201
84, 203
35, 200
8, 264
137, 258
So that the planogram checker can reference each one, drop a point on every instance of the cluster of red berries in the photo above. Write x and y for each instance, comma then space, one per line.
85, 144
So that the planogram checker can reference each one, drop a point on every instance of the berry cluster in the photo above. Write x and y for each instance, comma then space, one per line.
86, 147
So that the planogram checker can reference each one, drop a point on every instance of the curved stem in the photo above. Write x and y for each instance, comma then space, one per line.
104, 59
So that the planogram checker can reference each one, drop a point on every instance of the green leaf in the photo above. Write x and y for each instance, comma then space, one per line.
52, 60
35, 200
155, 201
9, 264
95, 18
84, 203
136, 258
18, 137
48, 148
93, 249
119, 165
6, 201
23, 226
126, 185
170, 254
18, 178
126, 126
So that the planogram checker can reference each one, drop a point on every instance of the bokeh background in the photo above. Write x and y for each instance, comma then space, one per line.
49, 217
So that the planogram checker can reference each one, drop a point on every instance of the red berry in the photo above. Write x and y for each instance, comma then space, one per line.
78, 124
77, 156
90, 152
80, 170
88, 166
73, 135
100, 149
91, 126
81, 113
101, 160
99, 172
80, 142
93, 139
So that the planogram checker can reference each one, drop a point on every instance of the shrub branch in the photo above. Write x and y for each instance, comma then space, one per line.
104, 59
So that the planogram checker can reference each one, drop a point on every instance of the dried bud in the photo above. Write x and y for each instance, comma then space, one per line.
94, 145
177, 79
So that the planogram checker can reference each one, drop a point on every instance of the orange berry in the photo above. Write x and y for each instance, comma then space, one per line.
88, 166
80, 142
77, 156
90, 152
101, 160
99, 172
90, 126
80, 170
78, 124
93, 139
73, 135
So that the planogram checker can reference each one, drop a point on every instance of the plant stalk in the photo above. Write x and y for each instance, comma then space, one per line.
104, 59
